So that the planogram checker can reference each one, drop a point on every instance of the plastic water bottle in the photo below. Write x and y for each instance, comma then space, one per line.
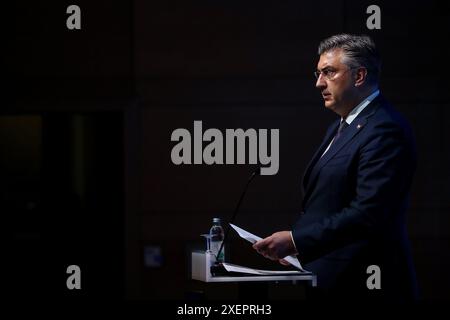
217, 234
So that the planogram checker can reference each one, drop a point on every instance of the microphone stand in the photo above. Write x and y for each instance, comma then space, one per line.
254, 173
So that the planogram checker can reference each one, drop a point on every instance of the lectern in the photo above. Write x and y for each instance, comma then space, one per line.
201, 270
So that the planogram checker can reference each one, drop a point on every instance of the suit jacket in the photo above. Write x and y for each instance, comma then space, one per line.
354, 207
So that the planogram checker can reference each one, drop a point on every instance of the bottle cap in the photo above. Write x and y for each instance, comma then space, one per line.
216, 220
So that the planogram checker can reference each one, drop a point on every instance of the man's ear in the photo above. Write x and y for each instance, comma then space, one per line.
360, 76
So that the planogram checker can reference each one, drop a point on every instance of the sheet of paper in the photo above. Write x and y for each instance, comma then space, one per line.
235, 268
253, 238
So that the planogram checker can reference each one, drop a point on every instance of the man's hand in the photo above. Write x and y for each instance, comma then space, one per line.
277, 246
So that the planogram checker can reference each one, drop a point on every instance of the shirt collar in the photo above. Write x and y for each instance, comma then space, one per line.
360, 107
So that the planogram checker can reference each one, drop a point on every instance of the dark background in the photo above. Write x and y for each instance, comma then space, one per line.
86, 119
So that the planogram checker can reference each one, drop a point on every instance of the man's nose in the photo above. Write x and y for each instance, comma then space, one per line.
320, 83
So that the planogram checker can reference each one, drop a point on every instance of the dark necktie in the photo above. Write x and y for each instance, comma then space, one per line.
341, 128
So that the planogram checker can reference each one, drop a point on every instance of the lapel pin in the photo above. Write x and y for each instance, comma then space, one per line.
359, 126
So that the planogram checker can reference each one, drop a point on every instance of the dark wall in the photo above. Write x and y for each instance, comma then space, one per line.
138, 70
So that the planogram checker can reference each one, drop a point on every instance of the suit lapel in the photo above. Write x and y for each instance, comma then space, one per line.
354, 128
330, 133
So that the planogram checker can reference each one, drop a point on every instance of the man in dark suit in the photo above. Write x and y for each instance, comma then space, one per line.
356, 187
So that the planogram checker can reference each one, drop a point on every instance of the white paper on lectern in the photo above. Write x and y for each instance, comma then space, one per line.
235, 268
250, 237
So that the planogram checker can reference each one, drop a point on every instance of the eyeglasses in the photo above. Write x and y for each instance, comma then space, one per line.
329, 73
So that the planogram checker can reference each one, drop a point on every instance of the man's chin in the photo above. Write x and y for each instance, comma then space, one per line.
329, 104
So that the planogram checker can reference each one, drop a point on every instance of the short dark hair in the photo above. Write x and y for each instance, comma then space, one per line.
359, 51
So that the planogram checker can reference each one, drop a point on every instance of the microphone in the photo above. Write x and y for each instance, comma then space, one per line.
255, 173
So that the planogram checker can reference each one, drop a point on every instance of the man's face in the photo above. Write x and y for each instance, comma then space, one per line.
336, 82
